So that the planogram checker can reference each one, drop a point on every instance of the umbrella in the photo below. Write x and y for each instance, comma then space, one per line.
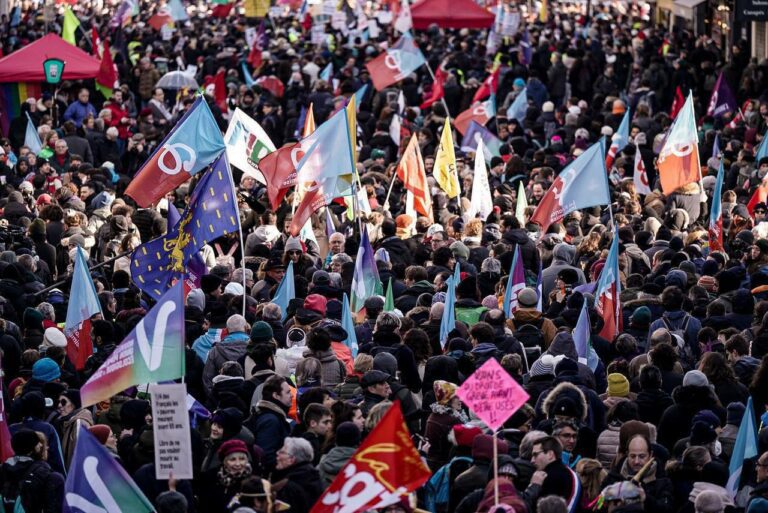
177, 80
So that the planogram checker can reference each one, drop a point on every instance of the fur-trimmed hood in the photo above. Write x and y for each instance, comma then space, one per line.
568, 390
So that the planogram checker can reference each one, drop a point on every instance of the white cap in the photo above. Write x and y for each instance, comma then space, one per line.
53, 337
234, 288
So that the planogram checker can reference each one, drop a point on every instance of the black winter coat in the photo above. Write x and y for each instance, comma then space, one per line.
651, 405
301, 487
676, 421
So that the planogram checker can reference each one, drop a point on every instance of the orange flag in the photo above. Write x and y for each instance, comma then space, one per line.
678, 160
413, 174
383, 470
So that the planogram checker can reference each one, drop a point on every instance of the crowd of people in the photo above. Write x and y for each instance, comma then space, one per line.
651, 427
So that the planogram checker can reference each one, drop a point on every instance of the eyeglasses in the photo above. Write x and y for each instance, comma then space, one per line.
63, 402
293, 252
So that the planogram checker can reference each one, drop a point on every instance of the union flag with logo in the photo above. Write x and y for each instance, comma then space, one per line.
386, 467
396, 63
193, 144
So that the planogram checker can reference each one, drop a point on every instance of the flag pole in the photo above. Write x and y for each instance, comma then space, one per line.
389, 192
442, 100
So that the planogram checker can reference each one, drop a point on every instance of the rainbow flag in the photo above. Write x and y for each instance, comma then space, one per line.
12, 95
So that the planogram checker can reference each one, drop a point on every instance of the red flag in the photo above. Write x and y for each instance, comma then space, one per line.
254, 56
279, 170
736, 121
438, 89
107, 74
95, 43
79, 345
220, 90
6, 451
384, 468
159, 20
413, 174
477, 112
489, 85
760, 196
222, 10
677, 103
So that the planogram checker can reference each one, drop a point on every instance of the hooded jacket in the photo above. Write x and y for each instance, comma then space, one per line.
230, 349
332, 370
332, 462
676, 421
519, 238
562, 258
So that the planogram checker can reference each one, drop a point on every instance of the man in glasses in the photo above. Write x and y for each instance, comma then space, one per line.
760, 211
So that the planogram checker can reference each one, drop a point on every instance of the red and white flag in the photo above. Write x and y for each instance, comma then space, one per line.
640, 176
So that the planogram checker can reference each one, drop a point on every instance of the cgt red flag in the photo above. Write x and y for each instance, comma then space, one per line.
489, 85
438, 89
386, 467
677, 103
279, 170
759, 196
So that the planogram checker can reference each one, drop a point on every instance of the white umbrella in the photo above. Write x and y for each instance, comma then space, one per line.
177, 80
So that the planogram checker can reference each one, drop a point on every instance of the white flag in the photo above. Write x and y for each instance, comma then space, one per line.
482, 201
247, 143
404, 22
394, 129
640, 176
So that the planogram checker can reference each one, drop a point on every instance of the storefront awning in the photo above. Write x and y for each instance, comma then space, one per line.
684, 8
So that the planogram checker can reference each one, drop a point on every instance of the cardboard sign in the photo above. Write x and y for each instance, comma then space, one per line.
170, 426
492, 394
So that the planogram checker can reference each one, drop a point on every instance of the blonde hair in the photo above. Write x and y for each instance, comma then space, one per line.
591, 474
376, 414
363, 363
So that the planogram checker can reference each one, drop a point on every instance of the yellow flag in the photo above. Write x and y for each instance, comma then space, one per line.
352, 123
70, 26
445, 164
543, 12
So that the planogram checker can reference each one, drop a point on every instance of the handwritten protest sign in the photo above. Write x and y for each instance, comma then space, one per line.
492, 394
170, 425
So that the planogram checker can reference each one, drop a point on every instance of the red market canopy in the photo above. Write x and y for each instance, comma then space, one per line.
26, 64
455, 14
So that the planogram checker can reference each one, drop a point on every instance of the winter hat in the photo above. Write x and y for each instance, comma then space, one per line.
101, 432
230, 420
73, 395
210, 282
465, 434
566, 366
708, 417
518, 82
676, 278
695, 378
32, 318
33, 405
708, 282
482, 447
385, 362
735, 414
702, 434
232, 447
545, 365
460, 250
24, 441
46, 370
528, 297
641, 316
618, 385
333, 309
444, 391
709, 501
316, 303
234, 288
491, 302
53, 337
261, 332
548, 107
293, 244
347, 435
490, 265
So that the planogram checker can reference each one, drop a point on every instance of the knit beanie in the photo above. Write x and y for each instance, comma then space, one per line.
24, 441
101, 432
618, 385
46, 370
293, 244
73, 395
347, 435
261, 332
230, 420
543, 366
231, 447
702, 434
735, 414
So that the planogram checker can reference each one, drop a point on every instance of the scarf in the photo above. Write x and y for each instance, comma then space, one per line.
442, 409
227, 478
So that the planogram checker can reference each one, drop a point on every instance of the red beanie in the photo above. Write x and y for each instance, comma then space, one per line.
231, 447
101, 432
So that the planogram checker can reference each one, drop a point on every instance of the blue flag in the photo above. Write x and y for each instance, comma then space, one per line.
249, 82
285, 291
744, 448
515, 283
16, 17
349, 326
762, 150
32, 138
448, 322
211, 213
477, 132
519, 107
83, 304
327, 72
98, 483
359, 95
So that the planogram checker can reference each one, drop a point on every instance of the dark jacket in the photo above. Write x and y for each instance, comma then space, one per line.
301, 487
41, 489
651, 405
270, 426
397, 249
407, 302
519, 237
439, 425
675, 423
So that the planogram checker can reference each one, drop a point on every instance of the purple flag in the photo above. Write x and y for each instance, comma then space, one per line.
722, 100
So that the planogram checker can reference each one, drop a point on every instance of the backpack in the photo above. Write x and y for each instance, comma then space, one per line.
531, 338
438, 487
687, 358
31, 490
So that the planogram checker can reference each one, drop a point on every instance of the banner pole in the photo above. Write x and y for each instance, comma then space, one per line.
389, 192
495, 469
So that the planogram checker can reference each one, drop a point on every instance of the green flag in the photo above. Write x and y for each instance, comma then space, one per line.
522, 204
70, 26
389, 301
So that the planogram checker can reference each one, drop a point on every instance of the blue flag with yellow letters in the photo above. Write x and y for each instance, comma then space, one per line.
211, 213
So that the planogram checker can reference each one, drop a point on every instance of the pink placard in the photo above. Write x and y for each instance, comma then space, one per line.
492, 394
